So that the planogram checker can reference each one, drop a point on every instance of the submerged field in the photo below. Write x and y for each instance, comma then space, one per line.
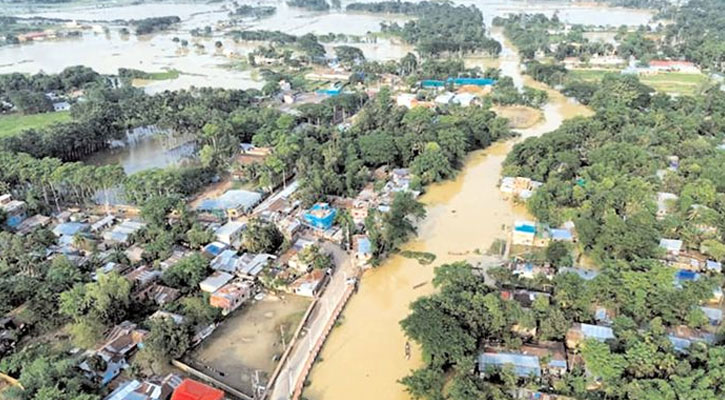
15, 123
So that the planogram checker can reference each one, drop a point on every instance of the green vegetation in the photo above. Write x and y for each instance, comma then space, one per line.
422, 257
666, 82
439, 28
154, 24
12, 124
126, 73
253, 11
311, 5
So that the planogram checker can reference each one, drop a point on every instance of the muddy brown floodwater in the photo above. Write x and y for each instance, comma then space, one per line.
364, 357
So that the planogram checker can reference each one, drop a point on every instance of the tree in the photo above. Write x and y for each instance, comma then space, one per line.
432, 165
187, 273
262, 237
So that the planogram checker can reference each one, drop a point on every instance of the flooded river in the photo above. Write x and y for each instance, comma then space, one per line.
364, 357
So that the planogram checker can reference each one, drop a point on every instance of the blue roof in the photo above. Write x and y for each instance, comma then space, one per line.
215, 248
598, 332
687, 275
364, 246
560, 234
680, 344
713, 265
586, 274
457, 81
525, 227
524, 365
69, 228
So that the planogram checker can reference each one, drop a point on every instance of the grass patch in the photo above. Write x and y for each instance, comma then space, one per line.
164, 75
667, 82
422, 257
13, 124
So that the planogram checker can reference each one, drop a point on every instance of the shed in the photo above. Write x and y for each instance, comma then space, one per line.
672, 246
215, 281
714, 315
523, 365
231, 204
230, 232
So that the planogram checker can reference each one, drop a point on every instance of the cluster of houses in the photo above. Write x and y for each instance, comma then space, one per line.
519, 187
528, 233
550, 360
169, 387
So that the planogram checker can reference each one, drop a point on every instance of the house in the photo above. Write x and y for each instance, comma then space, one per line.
714, 315
580, 332
61, 106
192, 390
15, 210
143, 276
215, 281
120, 342
151, 389
523, 365
524, 233
561, 235
671, 246
232, 204
226, 262
674, 66
30, 224
232, 295
309, 284
363, 250
134, 253
410, 100
252, 150
214, 249
586, 274
103, 223
67, 230
320, 216
603, 315
359, 211
683, 336
250, 265
231, 232
289, 226
176, 256
123, 232
714, 266
529, 270
554, 352
519, 186
665, 202
158, 294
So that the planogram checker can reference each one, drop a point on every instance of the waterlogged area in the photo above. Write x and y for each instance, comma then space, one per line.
107, 51
364, 357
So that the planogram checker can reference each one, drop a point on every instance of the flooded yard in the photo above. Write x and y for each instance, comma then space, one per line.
246, 345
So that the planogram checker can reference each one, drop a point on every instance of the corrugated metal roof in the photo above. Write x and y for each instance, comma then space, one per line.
524, 365
598, 332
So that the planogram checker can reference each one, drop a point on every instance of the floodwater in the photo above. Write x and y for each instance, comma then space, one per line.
364, 357
156, 151
106, 52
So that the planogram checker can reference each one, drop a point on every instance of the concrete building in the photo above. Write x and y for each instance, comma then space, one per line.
231, 232
320, 216
232, 295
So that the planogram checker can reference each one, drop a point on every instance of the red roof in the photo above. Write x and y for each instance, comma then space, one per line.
665, 63
193, 390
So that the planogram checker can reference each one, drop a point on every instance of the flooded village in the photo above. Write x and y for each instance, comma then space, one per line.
282, 298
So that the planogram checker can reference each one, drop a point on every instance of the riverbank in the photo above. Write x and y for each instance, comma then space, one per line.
364, 357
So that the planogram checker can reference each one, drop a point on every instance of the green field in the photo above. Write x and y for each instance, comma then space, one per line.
15, 123
668, 82
164, 75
